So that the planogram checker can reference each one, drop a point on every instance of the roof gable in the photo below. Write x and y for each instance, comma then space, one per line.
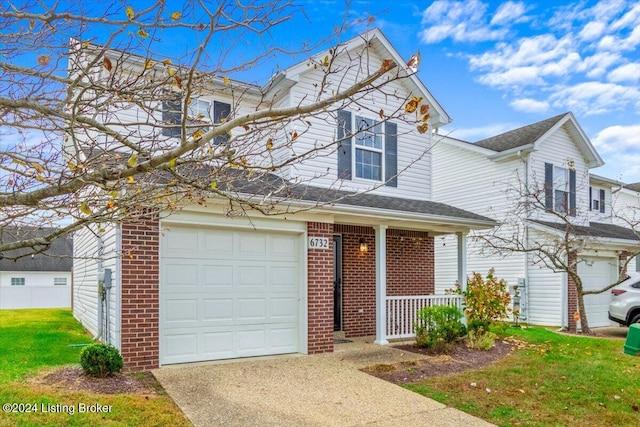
536, 133
375, 39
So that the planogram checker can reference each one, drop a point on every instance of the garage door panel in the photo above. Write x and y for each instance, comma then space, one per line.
245, 285
217, 309
182, 241
218, 275
182, 310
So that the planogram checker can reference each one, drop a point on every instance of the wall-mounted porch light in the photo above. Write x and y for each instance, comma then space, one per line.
363, 245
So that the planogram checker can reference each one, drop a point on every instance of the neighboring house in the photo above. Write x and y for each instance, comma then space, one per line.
553, 157
41, 280
199, 285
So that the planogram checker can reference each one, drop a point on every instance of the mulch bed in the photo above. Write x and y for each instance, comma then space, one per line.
72, 378
459, 359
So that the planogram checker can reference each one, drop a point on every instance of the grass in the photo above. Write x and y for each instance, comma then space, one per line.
555, 380
35, 340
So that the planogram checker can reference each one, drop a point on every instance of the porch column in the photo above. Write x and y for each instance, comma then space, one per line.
462, 259
381, 285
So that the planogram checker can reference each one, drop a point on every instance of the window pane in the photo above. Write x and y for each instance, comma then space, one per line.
368, 164
200, 109
561, 201
369, 133
17, 281
560, 179
60, 281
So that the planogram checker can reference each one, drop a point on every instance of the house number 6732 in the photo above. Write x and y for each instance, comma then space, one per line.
318, 243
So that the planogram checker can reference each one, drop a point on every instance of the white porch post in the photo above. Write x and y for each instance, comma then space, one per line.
462, 259
381, 285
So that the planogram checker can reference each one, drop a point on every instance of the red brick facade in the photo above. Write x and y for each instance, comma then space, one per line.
320, 291
410, 271
140, 297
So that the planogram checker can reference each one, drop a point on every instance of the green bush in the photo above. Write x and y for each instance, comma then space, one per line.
438, 327
486, 301
100, 360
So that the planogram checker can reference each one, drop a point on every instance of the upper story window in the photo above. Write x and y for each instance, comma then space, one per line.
17, 281
560, 189
597, 199
367, 149
200, 113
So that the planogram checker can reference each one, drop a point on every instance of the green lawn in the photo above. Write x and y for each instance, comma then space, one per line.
43, 339
555, 380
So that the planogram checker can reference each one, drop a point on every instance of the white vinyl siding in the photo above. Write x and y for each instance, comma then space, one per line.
85, 278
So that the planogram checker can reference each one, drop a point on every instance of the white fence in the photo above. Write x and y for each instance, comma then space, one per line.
402, 312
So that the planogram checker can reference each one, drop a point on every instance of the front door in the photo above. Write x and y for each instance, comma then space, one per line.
337, 283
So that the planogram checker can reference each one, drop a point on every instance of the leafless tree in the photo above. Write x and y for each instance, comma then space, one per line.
100, 115
553, 238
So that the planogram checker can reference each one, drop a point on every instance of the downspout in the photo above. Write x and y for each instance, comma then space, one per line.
100, 299
524, 292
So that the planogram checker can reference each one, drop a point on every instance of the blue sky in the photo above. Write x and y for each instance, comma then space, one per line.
495, 66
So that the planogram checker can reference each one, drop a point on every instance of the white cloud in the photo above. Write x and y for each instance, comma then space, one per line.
509, 12
519, 76
630, 19
617, 138
625, 73
589, 98
592, 31
458, 20
528, 105
597, 65
482, 132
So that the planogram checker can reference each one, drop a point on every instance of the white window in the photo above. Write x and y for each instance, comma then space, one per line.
17, 281
369, 148
60, 281
199, 110
560, 189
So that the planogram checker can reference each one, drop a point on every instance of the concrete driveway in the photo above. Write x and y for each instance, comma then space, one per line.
318, 390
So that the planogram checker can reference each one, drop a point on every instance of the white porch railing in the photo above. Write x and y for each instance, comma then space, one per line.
402, 312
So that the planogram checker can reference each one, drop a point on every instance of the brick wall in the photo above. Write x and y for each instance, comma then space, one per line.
320, 291
140, 298
410, 271
358, 281
410, 263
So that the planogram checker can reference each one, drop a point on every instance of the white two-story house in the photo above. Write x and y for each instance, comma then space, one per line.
200, 284
546, 163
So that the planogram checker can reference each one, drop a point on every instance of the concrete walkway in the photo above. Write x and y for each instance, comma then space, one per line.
319, 390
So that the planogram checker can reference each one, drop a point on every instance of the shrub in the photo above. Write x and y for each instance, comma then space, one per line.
486, 301
100, 360
439, 327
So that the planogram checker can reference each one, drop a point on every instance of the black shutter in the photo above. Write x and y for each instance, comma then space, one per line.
572, 192
171, 115
221, 113
391, 154
602, 201
590, 198
344, 144
548, 186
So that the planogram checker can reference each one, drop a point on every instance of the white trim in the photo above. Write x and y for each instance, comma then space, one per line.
381, 285
303, 305
462, 260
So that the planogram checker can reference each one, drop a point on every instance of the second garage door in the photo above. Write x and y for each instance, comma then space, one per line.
596, 273
226, 293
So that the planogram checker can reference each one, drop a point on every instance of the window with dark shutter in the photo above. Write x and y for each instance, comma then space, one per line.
391, 154
602, 201
548, 186
344, 144
572, 192
171, 115
591, 201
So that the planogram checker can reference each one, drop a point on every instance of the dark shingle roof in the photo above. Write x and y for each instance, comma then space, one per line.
633, 186
521, 136
56, 258
597, 229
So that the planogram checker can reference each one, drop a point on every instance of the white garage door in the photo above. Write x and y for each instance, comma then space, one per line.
227, 294
596, 273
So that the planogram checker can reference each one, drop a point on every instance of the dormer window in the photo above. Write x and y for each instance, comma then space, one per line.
367, 149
